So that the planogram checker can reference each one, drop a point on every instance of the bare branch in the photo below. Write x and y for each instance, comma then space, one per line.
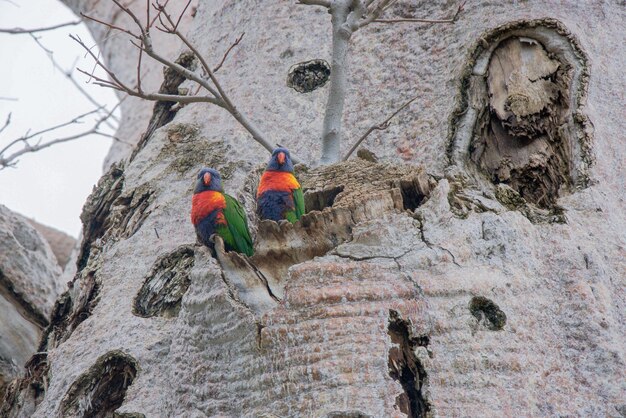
182, 14
146, 46
452, 19
228, 52
139, 70
218, 95
378, 127
374, 13
69, 75
147, 15
29, 135
99, 64
173, 30
11, 160
131, 15
6, 123
323, 3
158, 15
229, 106
19, 31
111, 26
155, 96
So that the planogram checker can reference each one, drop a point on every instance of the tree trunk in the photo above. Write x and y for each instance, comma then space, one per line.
485, 288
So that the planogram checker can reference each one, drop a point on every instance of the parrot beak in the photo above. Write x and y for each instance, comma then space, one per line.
207, 179
281, 158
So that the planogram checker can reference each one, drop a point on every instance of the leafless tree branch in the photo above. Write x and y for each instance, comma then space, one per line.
12, 159
6, 123
378, 127
228, 52
452, 19
143, 41
110, 26
182, 14
348, 16
20, 31
70, 76
323, 3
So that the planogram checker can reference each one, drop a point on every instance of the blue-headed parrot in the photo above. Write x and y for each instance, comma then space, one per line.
215, 212
279, 195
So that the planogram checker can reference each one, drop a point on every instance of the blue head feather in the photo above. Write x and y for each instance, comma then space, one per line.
274, 165
215, 184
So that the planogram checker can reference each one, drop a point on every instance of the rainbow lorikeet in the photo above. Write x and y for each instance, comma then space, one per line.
215, 212
279, 195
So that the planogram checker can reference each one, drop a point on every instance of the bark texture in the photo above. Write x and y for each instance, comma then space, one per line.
29, 286
407, 294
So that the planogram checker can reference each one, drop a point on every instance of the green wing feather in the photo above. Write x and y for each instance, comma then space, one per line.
298, 199
237, 232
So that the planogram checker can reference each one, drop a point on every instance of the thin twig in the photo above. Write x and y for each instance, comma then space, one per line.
110, 25
154, 96
69, 75
452, 19
374, 13
19, 31
229, 106
6, 123
11, 160
182, 14
131, 15
324, 3
139, 70
217, 94
29, 135
378, 127
228, 52
157, 17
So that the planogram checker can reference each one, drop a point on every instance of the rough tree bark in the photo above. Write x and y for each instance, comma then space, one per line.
441, 282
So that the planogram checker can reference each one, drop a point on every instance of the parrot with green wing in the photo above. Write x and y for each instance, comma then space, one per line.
279, 195
215, 212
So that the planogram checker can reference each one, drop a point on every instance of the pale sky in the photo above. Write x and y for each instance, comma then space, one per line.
50, 185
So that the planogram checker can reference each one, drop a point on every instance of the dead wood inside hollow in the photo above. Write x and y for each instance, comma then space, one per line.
520, 139
520, 122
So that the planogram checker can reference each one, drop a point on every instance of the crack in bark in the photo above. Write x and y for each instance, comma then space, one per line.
429, 244
367, 258
263, 280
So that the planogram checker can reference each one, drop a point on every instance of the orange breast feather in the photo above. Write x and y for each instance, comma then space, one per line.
278, 181
204, 203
